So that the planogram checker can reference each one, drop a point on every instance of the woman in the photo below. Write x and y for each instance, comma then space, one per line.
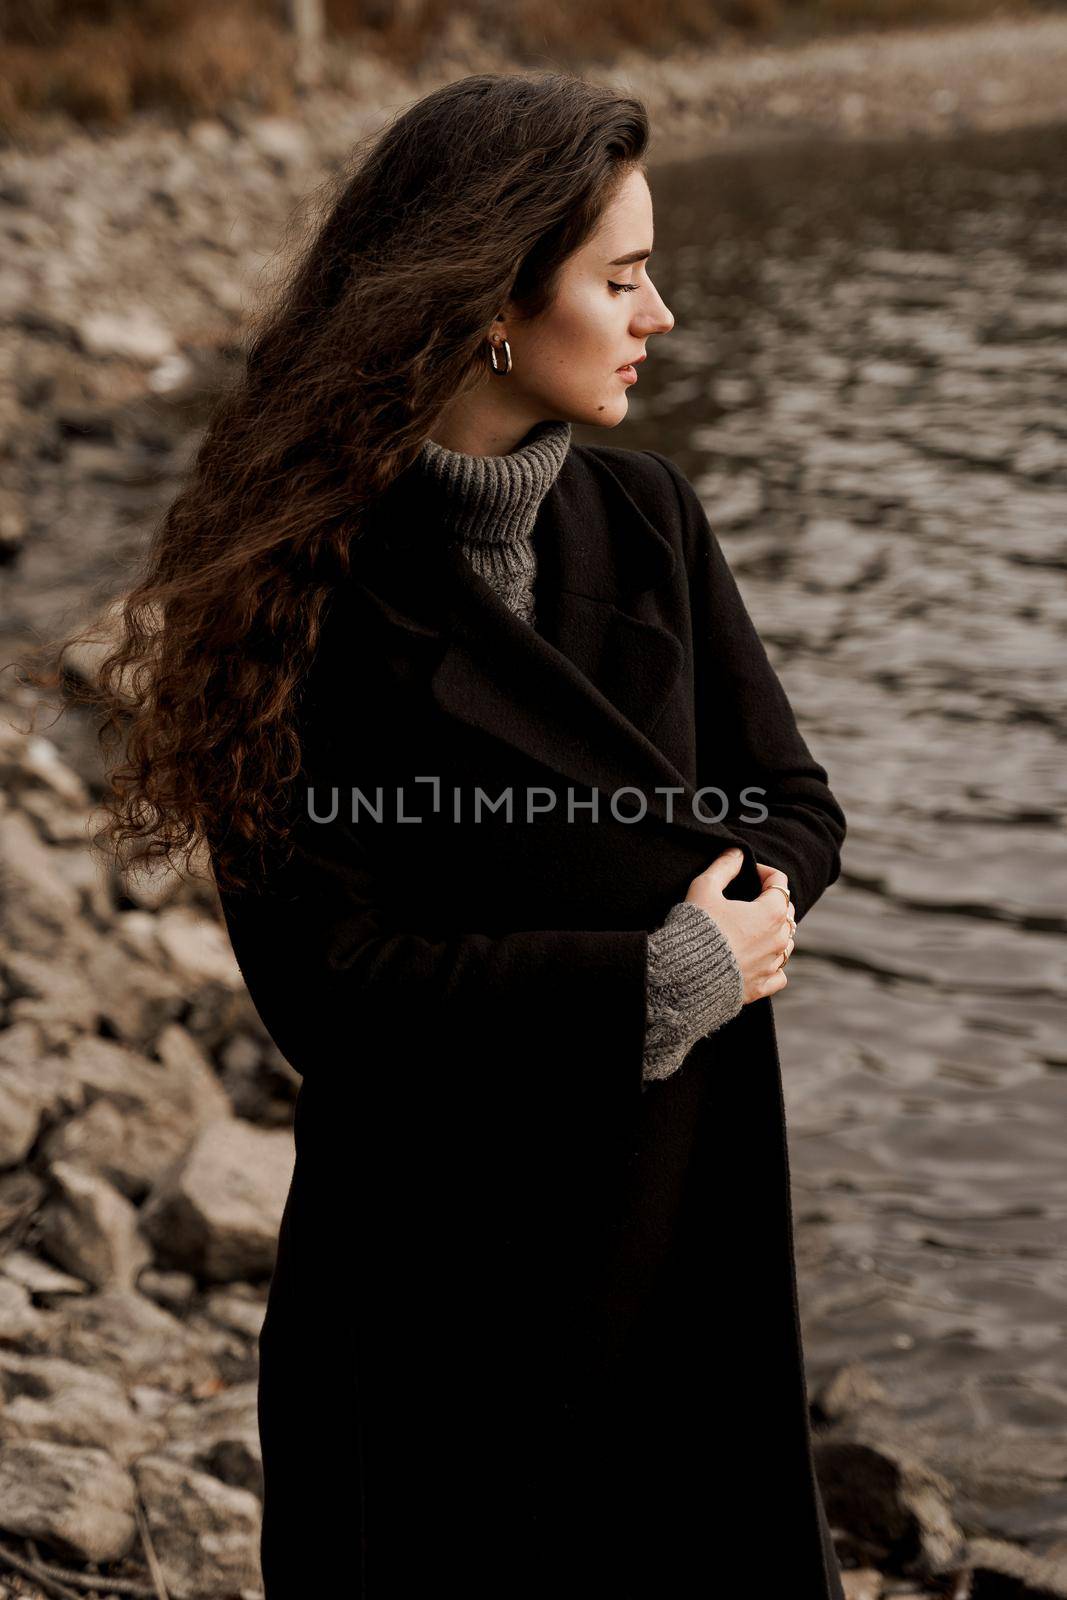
440, 688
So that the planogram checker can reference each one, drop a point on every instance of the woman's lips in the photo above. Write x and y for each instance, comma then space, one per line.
628, 374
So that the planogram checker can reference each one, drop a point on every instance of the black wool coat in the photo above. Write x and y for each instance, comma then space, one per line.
533, 1326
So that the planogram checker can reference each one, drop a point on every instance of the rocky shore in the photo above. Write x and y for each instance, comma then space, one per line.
145, 1143
145, 1151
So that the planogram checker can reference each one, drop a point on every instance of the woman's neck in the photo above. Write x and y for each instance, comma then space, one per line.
478, 425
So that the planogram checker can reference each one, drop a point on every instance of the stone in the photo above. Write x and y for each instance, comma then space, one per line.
205, 1533
40, 1277
220, 1435
1002, 1571
20, 1321
20, 1116
74, 1498
37, 899
133, 335
197, 947
46, 1398
121, 1332
218, 1211
132, 1145
889, 1502
92, 1229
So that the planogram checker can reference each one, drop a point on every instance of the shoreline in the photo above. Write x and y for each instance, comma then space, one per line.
933, 81
930, 82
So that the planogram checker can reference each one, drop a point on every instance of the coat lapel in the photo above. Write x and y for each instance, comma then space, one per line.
582, 692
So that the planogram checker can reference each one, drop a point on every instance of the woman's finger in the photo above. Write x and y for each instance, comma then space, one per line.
771, 876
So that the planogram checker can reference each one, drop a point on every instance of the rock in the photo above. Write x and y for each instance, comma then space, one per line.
76, 1499
134, 335
235, 1356
21, 1046
43, 1397
37, 901
195, 1086
149, 885
74, 984
40, 1277
44, 324
206, 1533
58, 823
132, 1146
197, 947
20, 1116
20, 1322
91, 1229
209, 135
1001, 1571
21, 1192
121, 1332
176, 1290
96, 1068
862, 1583
136, 930
849, 1390
220, 1436
136, 998
53, 995
283, 142
150, 1401
218, 1211
889, 1503
130, 1149
14, 525
261, 1083
41, 763
240, 1312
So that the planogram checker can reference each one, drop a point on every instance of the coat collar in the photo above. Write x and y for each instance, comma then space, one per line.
583, 691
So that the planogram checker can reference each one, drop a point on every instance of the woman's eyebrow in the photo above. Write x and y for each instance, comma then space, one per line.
635, 255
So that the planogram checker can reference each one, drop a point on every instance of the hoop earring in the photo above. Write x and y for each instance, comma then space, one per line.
503, 371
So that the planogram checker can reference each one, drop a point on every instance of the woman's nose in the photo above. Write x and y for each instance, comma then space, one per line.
658, 320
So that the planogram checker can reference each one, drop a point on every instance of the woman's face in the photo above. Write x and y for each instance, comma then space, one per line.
565, 363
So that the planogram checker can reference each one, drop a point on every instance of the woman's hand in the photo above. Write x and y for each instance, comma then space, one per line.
759, 931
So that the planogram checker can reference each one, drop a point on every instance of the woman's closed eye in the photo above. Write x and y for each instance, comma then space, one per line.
629, 287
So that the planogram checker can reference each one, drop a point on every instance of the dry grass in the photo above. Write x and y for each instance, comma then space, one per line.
99, 60
98, 71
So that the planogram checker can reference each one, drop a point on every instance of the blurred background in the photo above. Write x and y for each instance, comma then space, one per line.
861, 230
105, 58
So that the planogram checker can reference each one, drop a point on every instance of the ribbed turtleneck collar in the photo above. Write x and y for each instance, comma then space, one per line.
495, 499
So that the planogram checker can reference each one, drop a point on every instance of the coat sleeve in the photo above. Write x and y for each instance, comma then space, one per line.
747, 735
342, 991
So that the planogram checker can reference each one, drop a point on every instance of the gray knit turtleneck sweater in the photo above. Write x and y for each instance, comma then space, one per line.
693, 982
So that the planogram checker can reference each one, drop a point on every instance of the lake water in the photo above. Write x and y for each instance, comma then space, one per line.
866, 381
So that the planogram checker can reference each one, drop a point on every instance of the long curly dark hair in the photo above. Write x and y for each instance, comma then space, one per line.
474, 195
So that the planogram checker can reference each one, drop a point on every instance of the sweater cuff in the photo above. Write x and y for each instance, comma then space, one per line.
693, 986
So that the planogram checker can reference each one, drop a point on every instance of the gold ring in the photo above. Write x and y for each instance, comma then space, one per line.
778, 886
